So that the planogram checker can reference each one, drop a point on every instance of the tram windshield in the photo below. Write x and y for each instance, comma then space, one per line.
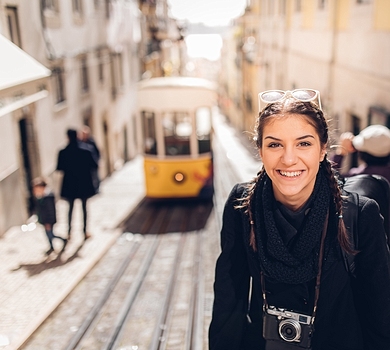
175, 117
177, 130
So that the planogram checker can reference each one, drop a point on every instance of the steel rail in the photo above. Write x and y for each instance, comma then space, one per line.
91, 317
131, 296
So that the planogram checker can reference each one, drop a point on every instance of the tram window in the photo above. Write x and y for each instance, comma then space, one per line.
203, 129
149, 130
177, 132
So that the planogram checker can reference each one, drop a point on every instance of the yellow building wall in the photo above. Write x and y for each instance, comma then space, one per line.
382, 15
289, 13
342, 13
308, 13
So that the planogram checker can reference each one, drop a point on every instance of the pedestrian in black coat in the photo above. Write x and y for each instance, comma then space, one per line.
76, 162
45, 209
280, 280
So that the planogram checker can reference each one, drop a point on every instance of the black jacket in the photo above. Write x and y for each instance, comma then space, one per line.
353, 313
46, 209
77, 164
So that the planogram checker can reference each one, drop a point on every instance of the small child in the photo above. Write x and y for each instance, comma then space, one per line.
46, 210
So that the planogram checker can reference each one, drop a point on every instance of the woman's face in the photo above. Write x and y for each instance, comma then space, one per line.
291, 153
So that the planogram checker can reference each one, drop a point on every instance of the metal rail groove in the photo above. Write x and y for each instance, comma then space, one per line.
131, 295
89, 320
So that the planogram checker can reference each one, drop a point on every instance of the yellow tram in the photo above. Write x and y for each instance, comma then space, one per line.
175, 120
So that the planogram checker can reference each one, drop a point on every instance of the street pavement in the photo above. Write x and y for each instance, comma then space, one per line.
33, 285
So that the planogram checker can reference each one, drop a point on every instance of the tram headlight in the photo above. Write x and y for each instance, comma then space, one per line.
179, 177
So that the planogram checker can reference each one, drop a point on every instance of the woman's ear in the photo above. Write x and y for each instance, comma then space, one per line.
323, 153
260, 151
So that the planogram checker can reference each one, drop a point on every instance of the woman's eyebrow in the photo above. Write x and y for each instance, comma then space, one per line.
272, 138
305, 136
298, 138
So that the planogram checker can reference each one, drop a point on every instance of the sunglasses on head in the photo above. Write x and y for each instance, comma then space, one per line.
304, 95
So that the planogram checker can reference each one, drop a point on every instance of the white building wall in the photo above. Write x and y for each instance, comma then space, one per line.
65, 38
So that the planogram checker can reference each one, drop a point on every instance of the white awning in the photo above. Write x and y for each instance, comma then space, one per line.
17, 69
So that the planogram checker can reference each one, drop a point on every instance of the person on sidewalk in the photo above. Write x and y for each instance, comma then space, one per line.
89, 141
45, 209
373, 147
77, 163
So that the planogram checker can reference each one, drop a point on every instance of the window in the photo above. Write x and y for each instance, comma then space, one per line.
117, 77
100, 65
298, 5
177, 130
107, 8
378, 115
149, 133
50, 6
13, 25
282, 7
84, 75
78, 12
248, 102
77, 6
59, 85
50, 14
321, 4
120, 69
271, 7
114, 90
203, 129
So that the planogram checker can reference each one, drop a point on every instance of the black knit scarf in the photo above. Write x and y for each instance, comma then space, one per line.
299, 263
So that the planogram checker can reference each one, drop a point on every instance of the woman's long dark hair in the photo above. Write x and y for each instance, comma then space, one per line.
316, 118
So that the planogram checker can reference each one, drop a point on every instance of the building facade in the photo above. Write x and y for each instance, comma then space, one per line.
87, 52
65, 64
339, 47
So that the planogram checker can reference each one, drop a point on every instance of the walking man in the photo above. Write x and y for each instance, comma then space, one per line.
77, 164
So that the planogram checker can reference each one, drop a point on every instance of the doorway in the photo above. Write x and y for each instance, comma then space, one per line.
30, 158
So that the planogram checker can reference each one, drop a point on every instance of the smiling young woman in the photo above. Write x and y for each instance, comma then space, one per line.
280, 280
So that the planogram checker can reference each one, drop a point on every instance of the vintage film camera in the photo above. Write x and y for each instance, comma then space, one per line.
285, 329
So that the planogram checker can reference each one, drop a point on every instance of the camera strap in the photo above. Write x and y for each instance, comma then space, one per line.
318, 279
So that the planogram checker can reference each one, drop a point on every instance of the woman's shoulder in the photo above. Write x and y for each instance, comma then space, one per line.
236, 198
241, 187
239, 190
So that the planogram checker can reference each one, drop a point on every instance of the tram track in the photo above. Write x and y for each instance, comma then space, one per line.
152, 299
176, 269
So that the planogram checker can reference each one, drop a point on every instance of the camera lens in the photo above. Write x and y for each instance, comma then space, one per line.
290, 330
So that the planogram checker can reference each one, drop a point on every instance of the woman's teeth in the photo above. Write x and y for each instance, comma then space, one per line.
290, 173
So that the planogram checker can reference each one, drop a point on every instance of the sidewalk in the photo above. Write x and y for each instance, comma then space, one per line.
33, 285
